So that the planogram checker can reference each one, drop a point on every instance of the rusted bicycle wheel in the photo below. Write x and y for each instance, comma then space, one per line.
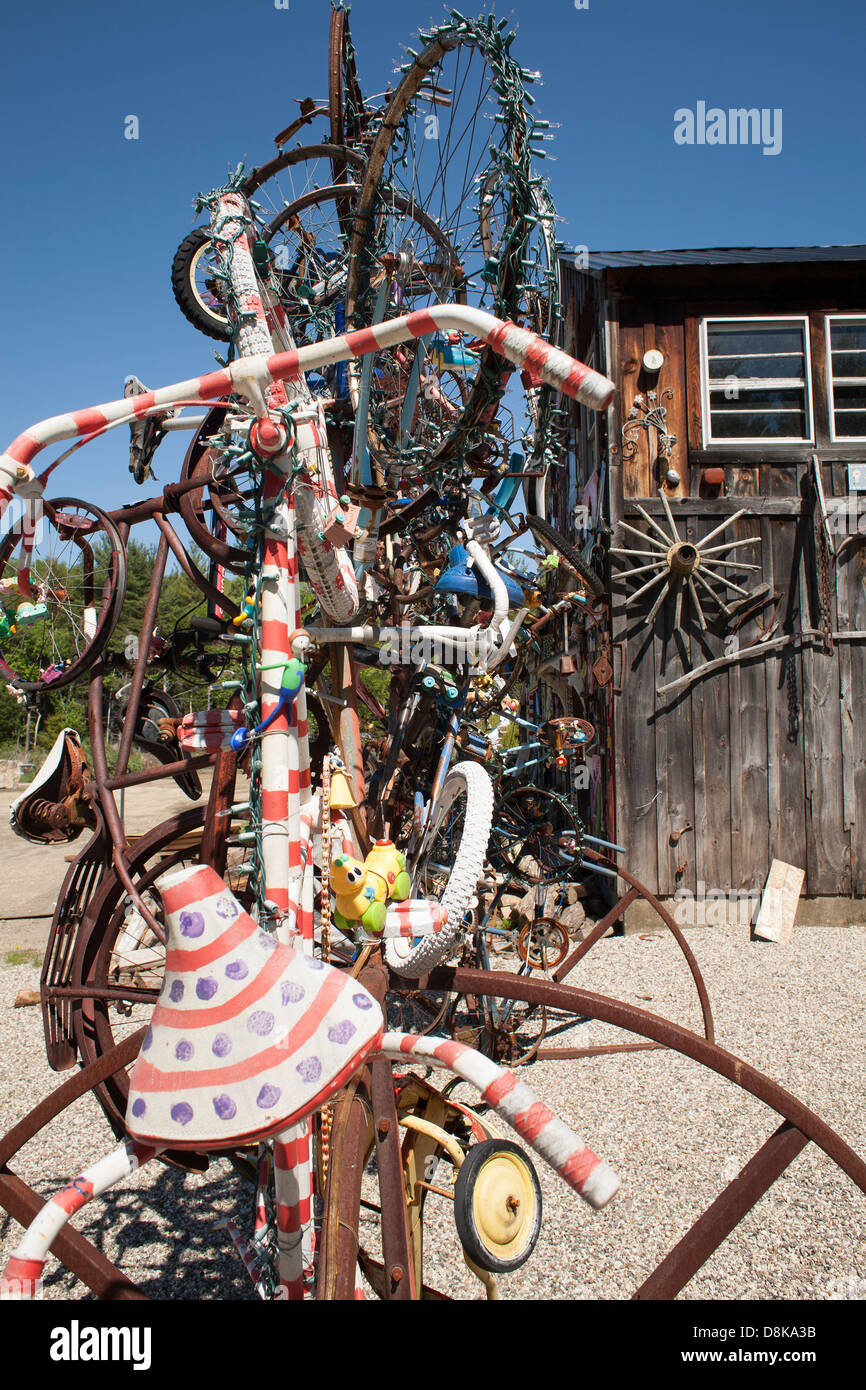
118, 960
526, 1030
799, 1125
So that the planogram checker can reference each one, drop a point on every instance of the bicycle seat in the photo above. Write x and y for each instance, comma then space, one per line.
248, 1036
54, 807
461, 578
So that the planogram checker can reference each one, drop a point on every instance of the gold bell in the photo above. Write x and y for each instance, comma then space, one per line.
341, 793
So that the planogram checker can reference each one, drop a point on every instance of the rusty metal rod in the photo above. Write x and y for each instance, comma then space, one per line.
399, 1264
670, 1035
69, 1091
145, 639
573, 1054
595, 935
136, 779
127, 996
722, 1215
192, 572
73, 1249
106, 799
593, 858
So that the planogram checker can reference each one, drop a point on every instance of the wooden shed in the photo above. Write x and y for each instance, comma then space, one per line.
721, 498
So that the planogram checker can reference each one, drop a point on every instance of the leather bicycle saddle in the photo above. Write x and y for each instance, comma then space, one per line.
54, 807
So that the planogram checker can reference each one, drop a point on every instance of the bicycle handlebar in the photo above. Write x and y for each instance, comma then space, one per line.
523, 348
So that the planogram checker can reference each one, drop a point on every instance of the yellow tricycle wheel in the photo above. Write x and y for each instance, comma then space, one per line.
497, 1205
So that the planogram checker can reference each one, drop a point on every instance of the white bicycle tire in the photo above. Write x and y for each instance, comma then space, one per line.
413, 960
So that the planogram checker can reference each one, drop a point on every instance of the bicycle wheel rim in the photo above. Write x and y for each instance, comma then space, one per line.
88, 627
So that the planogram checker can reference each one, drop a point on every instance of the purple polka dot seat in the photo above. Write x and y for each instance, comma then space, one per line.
248, 1036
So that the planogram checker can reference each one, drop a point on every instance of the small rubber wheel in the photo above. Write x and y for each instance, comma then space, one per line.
192, 274
497, 1205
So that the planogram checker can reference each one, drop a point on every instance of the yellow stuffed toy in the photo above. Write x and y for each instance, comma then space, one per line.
363, 890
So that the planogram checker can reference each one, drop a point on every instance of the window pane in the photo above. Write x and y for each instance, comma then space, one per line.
850, 424
788, 364
849, 363
848, 335
852, 397
749, 356
735, 338
749, 399
751, 424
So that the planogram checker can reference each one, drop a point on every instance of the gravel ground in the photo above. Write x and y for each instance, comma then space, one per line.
675, 1133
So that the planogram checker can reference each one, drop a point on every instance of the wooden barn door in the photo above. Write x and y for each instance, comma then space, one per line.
757, 759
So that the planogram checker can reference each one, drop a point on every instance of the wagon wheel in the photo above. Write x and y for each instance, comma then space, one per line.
799, 1125
684, 568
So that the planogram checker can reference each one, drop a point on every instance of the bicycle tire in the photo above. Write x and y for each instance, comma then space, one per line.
544, 532
158, 706
344, 197
183, 284
194, 246
413, 960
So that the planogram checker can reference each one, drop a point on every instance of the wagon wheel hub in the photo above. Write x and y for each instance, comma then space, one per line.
684, 558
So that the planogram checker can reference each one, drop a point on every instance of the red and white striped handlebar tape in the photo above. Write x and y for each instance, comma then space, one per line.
524, 349
567, 1154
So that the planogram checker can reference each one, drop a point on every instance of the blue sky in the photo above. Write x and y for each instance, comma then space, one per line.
92, 219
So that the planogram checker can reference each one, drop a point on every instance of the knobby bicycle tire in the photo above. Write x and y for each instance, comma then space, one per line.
544, 532
407, 958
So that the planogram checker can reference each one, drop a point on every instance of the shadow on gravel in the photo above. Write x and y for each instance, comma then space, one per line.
163, 1238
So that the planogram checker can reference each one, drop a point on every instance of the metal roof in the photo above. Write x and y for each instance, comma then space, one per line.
744, 255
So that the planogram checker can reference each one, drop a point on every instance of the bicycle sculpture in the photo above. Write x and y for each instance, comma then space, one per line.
273, 962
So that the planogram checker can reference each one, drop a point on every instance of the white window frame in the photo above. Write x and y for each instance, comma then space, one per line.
765, 441
843, 380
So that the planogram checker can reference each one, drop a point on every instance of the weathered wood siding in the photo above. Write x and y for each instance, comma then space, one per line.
765, 758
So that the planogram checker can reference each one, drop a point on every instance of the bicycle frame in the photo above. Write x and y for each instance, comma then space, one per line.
286, 774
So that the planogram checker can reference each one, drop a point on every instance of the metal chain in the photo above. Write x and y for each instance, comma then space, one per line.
790, 661
822, 547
